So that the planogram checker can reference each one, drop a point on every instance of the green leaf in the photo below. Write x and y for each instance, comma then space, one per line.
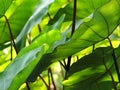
17, 67
28, 58
92, 71
4, 5
35, 18
84, 9
103, 23
47, 37
17, 17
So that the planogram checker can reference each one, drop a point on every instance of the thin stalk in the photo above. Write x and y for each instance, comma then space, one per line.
93, 48
115, 60
74, 17
11, 51
62, 64
69, 63
52, 79
13, 42
27, 84
48, 78
39, 28
44, 82
110, 73
11, 35
49, 16
29, 38
73, 30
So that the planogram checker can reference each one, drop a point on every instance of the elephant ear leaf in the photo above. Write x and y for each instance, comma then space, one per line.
104, 22
4, 5
84, 9
93, 71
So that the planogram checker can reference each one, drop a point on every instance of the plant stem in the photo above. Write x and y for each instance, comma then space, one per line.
110, 73
52, 79
13, 42
39, 28
68, 64
62, 64
73, 30
44, 82
93, 48
74, 17
11, 35
115, 60
29, 38
49, 16
27, 84
11, 51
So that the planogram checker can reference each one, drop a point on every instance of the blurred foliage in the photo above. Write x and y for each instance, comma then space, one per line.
36, 43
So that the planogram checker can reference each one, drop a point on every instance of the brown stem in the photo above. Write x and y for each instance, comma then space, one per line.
52, 79
110, 73
62, 64
68, 63
11, 35
39, 28
44, 82
115, 60
48, 79
29, 38
93, 48
11, 51
27, 84
49, 16
73, 30
74, 17
13, 42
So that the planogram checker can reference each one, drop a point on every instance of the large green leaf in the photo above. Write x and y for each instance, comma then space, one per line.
17, 67
4, 5
84, 9
28, 57
35, 18
54, 7
92, 71
103, 23
18, 14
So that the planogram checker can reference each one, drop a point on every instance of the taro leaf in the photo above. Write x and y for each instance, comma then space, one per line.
54, 7
35, 18
11, 73
27, 59
4, 5
56, 26
15, 19
91, 71
103, 23
84, 9
18, 14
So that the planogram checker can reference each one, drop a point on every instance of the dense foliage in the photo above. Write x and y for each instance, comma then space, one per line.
59, 44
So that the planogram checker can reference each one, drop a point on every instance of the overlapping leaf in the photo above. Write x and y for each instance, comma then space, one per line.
103, 23
4, 5
93, 71
28, 57
84, 9
18, 14
35, 18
